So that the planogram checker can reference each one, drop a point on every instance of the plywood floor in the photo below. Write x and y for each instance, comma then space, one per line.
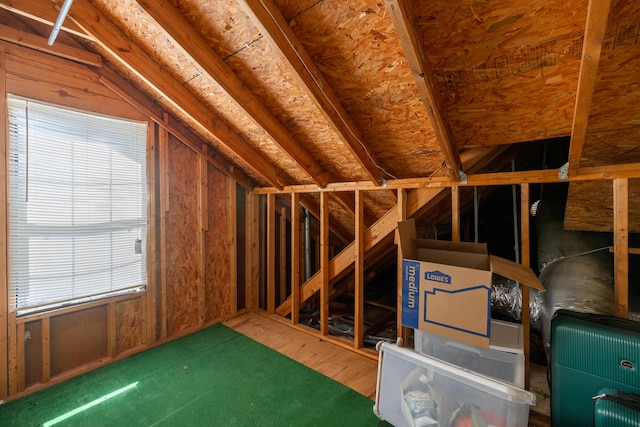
356, 371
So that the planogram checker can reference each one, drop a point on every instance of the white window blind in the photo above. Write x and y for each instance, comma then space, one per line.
77, 206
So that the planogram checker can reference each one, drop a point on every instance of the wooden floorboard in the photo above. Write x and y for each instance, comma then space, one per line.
347, 367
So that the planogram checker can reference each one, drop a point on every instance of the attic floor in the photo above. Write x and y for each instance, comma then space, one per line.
351, 369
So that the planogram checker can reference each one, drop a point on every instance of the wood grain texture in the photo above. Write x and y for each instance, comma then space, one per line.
182, 231
217, 250
351, 369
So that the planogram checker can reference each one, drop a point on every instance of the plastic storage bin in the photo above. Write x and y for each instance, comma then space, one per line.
420, 391
503, 360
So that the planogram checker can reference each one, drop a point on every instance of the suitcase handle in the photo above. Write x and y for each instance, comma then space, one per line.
629, 400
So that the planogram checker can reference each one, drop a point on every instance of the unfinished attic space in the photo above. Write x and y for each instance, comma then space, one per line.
320, 212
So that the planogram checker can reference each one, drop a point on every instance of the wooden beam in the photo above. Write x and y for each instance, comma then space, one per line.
46, 350
455, 213
525, 260
593, 173
271, 253
203, 227
268, 18
153, 257
282, 256
403, 20
138, 62
32, 41
295, 258
44, 12
141, 103
358, 311
621, 245
324, 264
197, 48
402, 331
597, 18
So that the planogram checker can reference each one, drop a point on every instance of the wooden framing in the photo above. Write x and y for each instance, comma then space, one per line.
295, 258
358, 311
324, 264
621, 245
525, 259
271, 253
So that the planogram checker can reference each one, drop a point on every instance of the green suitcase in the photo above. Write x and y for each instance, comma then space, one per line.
590, 352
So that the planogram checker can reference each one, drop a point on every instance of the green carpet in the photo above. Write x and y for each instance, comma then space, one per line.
215, 377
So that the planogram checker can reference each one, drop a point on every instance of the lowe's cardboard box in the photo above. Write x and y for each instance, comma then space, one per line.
446, 286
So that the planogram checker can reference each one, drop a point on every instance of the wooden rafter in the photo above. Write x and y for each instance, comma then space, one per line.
402, 16
597, 18
33, 41
196, 48
42, 11
122, 49
268, 18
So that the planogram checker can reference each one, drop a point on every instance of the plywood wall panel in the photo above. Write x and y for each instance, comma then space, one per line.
182, 237
590, 206
78, 338
217, 251
129, 321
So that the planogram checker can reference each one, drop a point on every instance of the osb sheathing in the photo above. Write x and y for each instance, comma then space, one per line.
356, 47
182, 235
129, 323
219, 236
493, 48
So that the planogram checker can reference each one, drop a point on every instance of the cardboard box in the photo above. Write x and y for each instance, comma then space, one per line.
446, 286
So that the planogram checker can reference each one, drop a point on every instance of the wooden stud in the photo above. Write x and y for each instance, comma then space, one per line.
46, 350
5, 302
271, 253
149, 334
621, 245
455, 213
233, 243
402, 331
295, 258
252, 252
358, 315
324, 263
112, 328
282, 256
203, 219
163, 174
525, 260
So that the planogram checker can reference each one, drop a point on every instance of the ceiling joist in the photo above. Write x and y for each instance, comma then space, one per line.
402, 16
597, 18
268, 18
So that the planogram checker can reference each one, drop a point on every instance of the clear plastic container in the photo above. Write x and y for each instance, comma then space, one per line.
503, 360
420, 391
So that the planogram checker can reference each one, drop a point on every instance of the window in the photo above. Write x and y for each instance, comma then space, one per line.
77, 206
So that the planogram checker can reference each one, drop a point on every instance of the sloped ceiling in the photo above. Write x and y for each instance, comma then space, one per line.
326, 92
